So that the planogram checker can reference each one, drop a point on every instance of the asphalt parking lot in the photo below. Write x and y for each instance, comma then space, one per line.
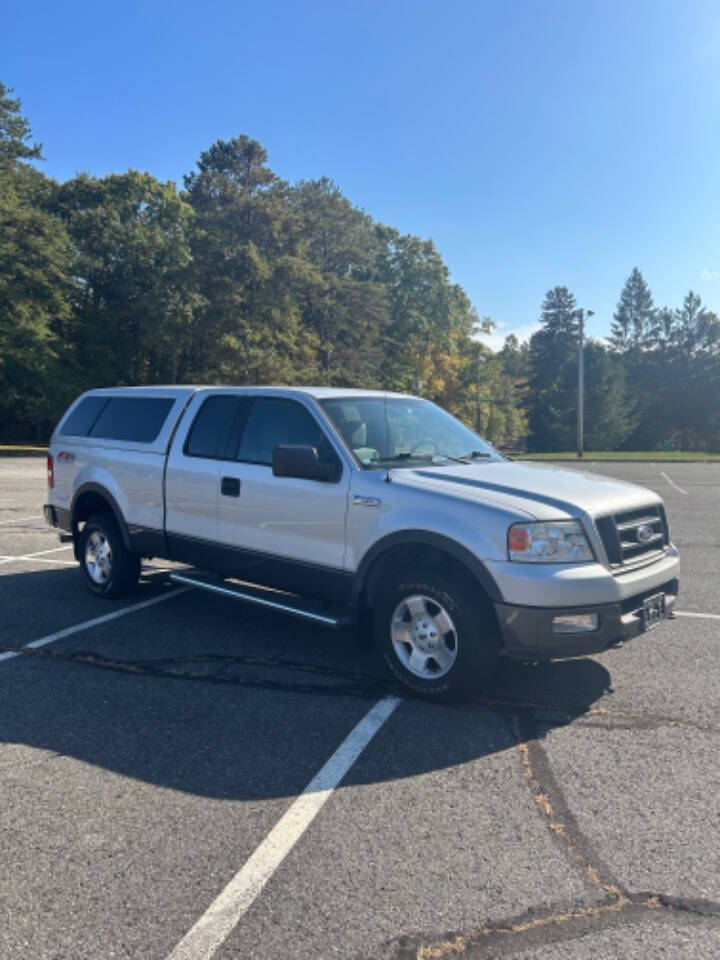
151, 765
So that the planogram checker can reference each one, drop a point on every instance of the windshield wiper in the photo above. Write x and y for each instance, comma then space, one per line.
466, 458
402, 456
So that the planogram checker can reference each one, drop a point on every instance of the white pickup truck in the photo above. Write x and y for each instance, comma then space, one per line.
343, 505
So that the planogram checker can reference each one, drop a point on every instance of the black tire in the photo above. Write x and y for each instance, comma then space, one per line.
475, 635
121, 567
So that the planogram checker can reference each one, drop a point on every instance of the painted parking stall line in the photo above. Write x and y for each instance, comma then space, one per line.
89, 624
29, 558
224, 913
39, 553
699, 616
672, 483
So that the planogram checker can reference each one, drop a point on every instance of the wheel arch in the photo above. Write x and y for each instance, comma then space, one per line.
407, 546
91, 499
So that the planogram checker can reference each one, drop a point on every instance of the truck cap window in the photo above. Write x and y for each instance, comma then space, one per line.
272, 422
209, 432
82, 418
137, 419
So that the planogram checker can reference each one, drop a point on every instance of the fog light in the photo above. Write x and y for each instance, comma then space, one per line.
576, 623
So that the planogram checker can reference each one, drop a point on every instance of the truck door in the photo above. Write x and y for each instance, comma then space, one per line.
288, 532
192, 483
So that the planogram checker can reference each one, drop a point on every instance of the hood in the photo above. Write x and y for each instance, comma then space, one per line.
540, 490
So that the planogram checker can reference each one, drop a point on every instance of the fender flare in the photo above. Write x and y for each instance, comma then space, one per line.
103, 492
425, 538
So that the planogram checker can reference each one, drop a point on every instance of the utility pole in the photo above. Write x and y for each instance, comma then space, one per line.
581, 314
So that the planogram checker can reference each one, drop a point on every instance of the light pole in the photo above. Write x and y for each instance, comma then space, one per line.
581, 314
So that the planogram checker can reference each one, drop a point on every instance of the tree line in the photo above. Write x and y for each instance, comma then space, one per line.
655, 384
239, 277
242, 277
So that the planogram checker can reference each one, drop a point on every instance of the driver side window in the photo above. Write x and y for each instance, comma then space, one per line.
273, 421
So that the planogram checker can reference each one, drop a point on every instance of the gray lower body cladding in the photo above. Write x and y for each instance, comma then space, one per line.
58, 517
527, 632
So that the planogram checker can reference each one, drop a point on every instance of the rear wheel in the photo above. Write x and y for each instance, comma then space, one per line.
109, 568
437, 633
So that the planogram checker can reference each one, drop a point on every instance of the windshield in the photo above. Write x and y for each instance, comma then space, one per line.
414, 431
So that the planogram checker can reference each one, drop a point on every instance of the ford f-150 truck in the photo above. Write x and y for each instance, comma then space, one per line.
343, 505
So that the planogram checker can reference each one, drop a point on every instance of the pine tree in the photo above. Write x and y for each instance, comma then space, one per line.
553, 373
610, 417
14, 133
634, 319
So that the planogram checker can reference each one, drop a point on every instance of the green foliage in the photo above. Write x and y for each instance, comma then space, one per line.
244, 278
553, 373
656, 388
34, 280
610, 417
14, 133
343, 304
247, 271
634, 319
675, 377
34, 253
131, 303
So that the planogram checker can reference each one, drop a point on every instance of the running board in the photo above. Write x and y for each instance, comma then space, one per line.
263, 599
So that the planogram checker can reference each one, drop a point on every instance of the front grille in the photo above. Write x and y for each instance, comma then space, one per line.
619, 534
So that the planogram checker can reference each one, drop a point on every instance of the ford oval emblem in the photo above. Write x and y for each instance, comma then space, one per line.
645, 533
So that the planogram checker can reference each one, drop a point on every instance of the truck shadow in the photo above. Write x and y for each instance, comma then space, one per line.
213, 698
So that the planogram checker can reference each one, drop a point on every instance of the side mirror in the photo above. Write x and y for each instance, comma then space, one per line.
300, 461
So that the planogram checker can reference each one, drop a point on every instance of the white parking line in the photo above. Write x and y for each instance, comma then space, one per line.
35, 516
88, 624
700, 616
672, 483
223, 914
31, 559
40, 553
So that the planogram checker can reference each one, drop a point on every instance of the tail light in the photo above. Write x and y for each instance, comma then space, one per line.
50, 472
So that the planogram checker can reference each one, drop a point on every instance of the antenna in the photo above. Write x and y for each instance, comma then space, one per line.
387, 441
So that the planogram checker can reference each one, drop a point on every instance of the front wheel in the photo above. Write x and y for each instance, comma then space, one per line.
437, 634
109, 568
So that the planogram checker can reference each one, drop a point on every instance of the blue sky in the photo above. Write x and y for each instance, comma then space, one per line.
537, 143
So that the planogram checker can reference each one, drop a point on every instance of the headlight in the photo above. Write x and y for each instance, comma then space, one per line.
562, 541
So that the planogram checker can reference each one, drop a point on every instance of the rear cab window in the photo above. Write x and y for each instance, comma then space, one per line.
210, 430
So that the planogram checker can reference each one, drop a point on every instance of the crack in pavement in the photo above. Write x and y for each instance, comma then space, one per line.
357, 685
556, 812
361, 685
540, 929
544, 927
567, 713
